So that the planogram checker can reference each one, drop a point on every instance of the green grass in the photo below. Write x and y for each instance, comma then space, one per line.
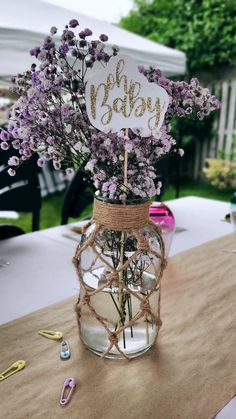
51, 208
201, 189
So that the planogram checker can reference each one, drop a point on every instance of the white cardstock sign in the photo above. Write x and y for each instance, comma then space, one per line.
120, 96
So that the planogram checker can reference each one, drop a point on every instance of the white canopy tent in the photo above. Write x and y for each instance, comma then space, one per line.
25, 23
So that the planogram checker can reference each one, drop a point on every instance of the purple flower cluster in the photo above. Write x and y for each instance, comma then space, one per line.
108, 173
50, 118
187, 99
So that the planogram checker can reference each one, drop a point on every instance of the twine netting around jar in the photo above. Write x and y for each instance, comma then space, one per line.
122, 218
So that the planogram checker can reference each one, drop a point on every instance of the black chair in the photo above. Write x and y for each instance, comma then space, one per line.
162, 173
21, 192
7, 231
77, 197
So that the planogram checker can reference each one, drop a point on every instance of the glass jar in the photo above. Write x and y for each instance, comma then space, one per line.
120, 262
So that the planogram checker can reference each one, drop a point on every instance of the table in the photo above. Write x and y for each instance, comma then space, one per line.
202, 219
9, 214
42, 258
41, 273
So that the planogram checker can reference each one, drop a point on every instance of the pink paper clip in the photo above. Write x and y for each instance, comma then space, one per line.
65, 395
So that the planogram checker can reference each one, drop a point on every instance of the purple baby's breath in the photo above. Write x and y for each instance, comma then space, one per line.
11, 172
82, 43
4, 136
50, 118
82, 35
53, 30
73, 23
103, 37
13, 161
40, 162
94, 44
88, 32
4, 145
64, 49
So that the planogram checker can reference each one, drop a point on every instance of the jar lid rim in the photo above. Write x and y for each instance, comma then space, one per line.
119, 201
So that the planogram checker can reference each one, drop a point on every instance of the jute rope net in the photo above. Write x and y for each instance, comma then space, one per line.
125, 219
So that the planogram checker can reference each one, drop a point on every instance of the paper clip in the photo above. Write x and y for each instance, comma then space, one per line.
65, 398
17, 366
50, 334
65, 350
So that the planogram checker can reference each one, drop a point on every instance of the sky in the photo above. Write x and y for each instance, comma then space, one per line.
108, 10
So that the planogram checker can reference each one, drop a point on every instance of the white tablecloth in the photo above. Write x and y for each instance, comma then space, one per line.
40, 272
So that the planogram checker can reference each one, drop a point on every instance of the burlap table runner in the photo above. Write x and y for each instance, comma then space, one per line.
189, 374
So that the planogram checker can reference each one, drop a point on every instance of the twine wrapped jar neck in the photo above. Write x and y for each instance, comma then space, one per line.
121, 217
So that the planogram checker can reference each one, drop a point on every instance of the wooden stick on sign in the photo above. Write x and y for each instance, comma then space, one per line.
120, 292
126, 162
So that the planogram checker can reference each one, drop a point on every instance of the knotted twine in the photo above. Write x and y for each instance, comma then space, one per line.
122, 218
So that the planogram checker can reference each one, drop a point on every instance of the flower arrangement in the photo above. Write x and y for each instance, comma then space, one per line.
50, 117
120, 259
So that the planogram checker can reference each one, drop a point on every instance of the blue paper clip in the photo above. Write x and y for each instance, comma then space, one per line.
65, 350
65, 395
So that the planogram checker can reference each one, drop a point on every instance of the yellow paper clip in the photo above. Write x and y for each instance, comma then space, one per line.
50, 334
17, 366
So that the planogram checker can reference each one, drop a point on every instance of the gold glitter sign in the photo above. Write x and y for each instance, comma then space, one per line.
119, 97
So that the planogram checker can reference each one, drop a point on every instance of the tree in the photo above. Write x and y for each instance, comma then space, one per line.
204, 29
